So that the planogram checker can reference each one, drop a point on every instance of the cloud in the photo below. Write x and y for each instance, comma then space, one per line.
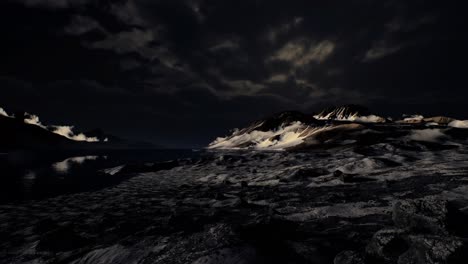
277, 78
300, 53
82, 24
389, 43
195, 5
54, 4
274, 33
379, 51
127, 12
243, 87
401, 24
149, 43
126, 41
227, 44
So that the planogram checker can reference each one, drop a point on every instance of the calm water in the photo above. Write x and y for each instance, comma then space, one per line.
25, 176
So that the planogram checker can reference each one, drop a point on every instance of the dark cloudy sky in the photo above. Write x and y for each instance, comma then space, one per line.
181, 72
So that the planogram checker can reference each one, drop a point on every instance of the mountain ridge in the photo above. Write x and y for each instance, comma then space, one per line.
25, 131
340, 125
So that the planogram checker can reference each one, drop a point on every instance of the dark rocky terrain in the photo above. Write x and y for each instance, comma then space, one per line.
345, 192
373, 204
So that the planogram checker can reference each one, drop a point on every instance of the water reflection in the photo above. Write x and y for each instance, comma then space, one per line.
26, 175
63, 167
39, 176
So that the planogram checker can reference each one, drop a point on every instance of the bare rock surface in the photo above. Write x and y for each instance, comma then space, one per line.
257, 207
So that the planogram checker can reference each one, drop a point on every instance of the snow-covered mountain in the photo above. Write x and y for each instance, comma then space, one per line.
25, 131
345, 125
62, 130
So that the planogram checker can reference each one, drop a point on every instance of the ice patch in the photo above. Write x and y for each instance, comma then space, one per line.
428, 135
459, 124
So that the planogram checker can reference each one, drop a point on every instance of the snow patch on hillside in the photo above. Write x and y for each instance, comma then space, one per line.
459, 124
33, 120
3, 112
66, 131
285, 137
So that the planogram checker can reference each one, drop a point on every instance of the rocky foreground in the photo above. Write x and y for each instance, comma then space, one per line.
383, 203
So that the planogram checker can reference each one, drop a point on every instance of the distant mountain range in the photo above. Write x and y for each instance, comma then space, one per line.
292, 130
24, 131
343, 125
